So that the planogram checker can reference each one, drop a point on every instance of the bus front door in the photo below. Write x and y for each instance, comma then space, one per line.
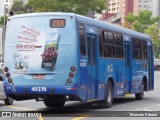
92, 69
127, 55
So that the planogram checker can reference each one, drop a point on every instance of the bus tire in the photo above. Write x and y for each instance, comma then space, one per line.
8, 101
109, 95
54, 104
139, 96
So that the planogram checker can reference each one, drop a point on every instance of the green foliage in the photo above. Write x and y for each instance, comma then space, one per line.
2, 19
142, 21
155, 36
145, 23
75, 6
19, 8
127, 25
153, 32
131, 18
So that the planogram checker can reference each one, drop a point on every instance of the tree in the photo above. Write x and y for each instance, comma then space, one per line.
19, 8
75, 6
145, 23
141, 21
155, 37
2, 20
127, 25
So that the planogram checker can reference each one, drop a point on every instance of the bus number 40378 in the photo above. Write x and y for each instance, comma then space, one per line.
39, 89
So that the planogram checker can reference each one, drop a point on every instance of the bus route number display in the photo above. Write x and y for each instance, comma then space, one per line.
57, 23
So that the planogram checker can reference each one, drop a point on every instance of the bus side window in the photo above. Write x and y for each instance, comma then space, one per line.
118, 45
133, 48
139, 50
136, 47
100, 42
144, 50
82, 39
108, 44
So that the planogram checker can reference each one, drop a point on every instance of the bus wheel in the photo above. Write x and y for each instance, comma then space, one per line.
8, 101
54, 104
139, 96
109, 95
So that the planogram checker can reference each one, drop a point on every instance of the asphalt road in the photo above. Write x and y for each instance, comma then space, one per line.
86, 111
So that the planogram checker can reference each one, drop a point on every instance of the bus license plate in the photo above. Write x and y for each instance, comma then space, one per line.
38, 77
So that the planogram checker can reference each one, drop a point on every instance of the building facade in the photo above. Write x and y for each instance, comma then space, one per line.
136, 7
1, 14
152, 5
115, 6
2, 7
119, 9
5, 7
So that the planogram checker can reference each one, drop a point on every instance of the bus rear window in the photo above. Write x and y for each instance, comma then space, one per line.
57, 23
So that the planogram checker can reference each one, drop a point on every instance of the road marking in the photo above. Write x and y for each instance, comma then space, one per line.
78, 118
40, 118
20, 108
83, 117
127, 95
146, 109
137, 110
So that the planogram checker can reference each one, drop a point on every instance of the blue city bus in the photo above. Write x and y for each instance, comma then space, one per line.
59, 57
